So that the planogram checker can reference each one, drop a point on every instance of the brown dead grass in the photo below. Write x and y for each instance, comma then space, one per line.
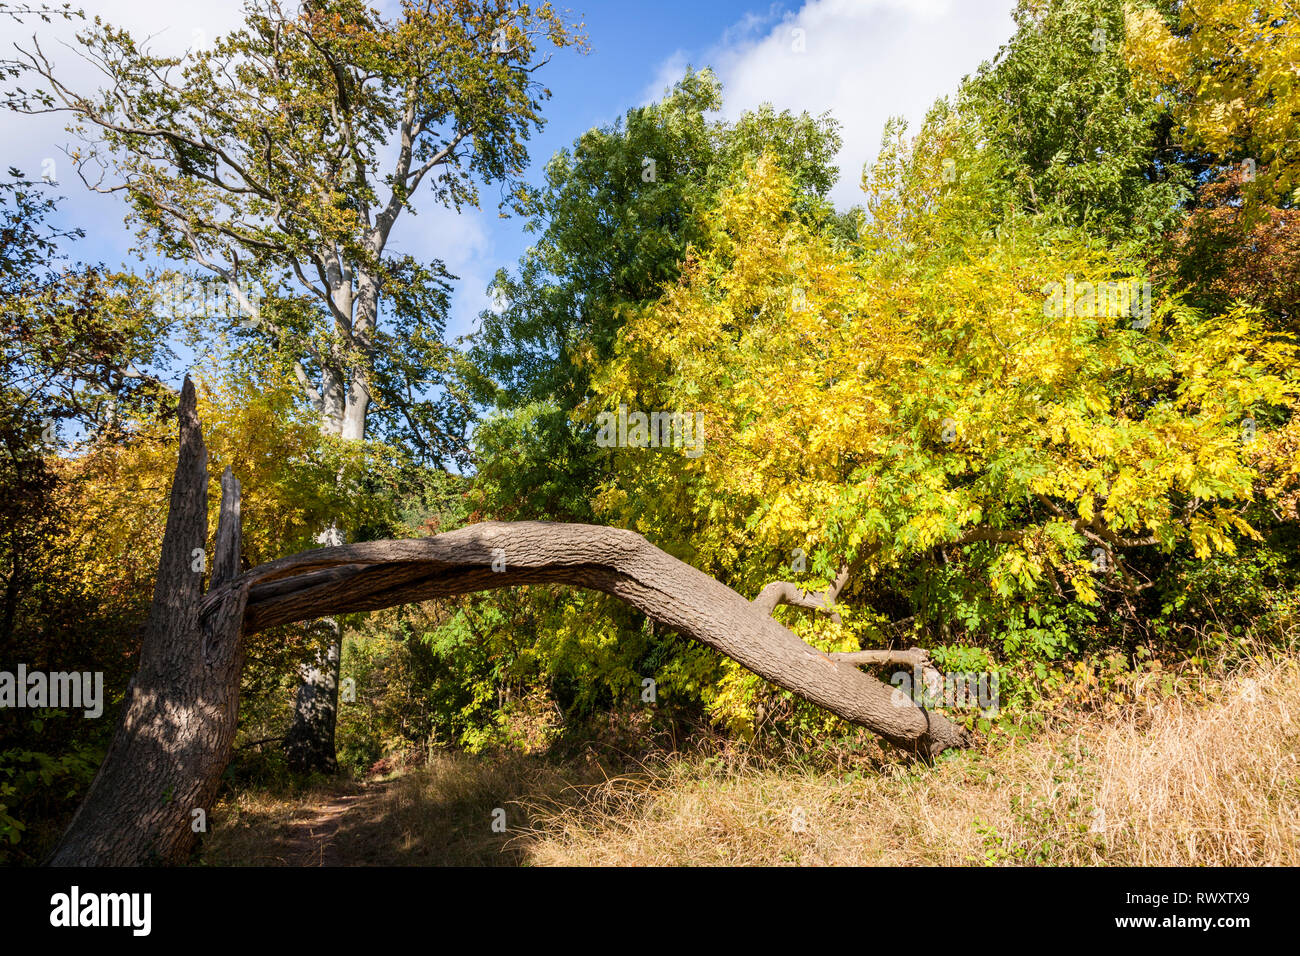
440, 814
1160, 781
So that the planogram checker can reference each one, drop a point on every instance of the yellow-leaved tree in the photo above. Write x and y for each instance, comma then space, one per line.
987, 424
1231, 72
296, 480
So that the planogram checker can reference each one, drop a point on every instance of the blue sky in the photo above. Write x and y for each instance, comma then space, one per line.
863, 60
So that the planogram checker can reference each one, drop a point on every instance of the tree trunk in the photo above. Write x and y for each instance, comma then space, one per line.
379, 574
309, 743
178, 720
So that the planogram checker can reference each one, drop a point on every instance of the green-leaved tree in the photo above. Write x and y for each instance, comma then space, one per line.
280, 159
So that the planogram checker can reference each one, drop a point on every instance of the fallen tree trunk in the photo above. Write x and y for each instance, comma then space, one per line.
379, 574
178, 723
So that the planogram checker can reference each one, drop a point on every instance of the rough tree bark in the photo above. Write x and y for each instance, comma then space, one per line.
378, 574
178, 723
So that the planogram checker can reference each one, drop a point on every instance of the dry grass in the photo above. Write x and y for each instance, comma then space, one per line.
441, 814
1160, 781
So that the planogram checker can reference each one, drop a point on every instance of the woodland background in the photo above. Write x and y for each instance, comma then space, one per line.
1100, 509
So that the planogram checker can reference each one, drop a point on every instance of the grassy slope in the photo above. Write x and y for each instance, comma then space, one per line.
1160, 781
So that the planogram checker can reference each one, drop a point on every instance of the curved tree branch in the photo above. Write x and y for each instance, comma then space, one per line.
378, 574
783, 592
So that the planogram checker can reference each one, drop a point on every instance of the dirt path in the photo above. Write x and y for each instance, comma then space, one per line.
309, 841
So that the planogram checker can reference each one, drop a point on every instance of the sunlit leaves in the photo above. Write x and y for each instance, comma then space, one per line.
889, 412
1230, 71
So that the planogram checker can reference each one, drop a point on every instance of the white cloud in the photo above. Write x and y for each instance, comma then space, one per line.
166, 27
463, 242
33, 143
863, 60
173, 26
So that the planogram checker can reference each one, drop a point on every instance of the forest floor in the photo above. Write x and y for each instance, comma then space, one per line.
312, 837
1207, 776
300, 829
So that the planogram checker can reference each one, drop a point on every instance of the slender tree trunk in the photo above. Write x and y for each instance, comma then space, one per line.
151, 797
309, 745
